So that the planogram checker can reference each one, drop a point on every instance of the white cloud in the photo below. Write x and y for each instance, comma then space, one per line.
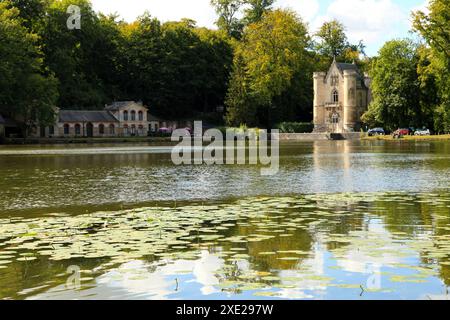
307, 9
368, 20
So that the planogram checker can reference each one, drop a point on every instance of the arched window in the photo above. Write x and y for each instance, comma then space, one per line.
126, 130
141, 116
125, 115
141, 130
77, 129
51, 130
66, 129
335, 118
112, 129
101, 129
335, 96
133, 130
133, 115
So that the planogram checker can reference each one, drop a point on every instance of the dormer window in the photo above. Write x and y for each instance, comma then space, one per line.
334, 80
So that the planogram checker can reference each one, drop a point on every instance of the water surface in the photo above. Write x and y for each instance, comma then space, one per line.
341, 220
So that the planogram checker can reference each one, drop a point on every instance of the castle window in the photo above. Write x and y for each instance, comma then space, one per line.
125, 115
141, 116
335, 96
133, 115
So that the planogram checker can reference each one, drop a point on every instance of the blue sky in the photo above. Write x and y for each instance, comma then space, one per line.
373, 21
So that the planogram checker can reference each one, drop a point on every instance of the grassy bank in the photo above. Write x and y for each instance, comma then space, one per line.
410, 138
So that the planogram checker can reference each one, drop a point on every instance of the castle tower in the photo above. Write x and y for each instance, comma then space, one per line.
350, 107
319, 110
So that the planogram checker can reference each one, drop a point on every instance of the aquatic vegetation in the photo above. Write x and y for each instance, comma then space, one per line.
265, 245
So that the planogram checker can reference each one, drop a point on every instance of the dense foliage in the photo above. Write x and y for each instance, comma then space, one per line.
257, 66
411, 82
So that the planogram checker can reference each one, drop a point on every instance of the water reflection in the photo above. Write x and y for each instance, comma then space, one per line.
86, 177
159, 231
322, 246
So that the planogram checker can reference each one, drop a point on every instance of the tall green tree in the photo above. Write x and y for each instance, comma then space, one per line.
435, 29
176, 68
27, 89
396, 87
270, 55
256, 10
333, 43
84, 60
228, 20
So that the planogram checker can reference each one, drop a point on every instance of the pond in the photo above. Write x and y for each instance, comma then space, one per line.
341, 220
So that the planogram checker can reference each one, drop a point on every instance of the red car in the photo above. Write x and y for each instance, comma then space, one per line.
402, 132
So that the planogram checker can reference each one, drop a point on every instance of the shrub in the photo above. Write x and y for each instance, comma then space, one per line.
295, 127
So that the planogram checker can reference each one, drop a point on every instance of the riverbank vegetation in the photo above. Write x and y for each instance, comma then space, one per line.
257, 66
410, 138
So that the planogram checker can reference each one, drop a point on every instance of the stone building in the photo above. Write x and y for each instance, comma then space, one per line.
341, 96
119, 119
132, 117
73, 123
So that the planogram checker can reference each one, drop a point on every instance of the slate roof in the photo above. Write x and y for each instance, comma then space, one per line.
351, 66
117, 105
347, 66
2, 121
86, 116
151, 117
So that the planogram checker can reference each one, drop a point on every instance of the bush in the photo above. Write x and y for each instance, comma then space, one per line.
295, 127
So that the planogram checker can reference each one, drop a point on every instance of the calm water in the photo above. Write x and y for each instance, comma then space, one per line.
341, 220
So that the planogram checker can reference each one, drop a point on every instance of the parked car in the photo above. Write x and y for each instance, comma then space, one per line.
376, 132
423, 132
402, 132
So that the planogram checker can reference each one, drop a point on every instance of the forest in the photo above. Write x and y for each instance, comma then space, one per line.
256, 65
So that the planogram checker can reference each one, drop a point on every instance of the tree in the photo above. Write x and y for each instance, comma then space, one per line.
434, 28
333, 43
84, 60
396, 87
27, 90
31, 11
256, 10
228, 20
269, 56
175, 68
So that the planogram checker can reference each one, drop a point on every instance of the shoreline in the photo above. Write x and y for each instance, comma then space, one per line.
444, 137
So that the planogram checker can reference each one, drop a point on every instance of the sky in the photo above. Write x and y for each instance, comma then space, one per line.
373, 21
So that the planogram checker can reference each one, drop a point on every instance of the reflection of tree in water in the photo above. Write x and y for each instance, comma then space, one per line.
42, 272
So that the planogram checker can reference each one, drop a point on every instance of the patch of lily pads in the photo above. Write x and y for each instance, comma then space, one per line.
279, 232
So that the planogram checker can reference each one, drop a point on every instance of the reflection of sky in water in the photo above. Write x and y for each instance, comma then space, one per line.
316, 277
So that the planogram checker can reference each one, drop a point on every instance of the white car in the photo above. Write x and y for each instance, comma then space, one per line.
423, 132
